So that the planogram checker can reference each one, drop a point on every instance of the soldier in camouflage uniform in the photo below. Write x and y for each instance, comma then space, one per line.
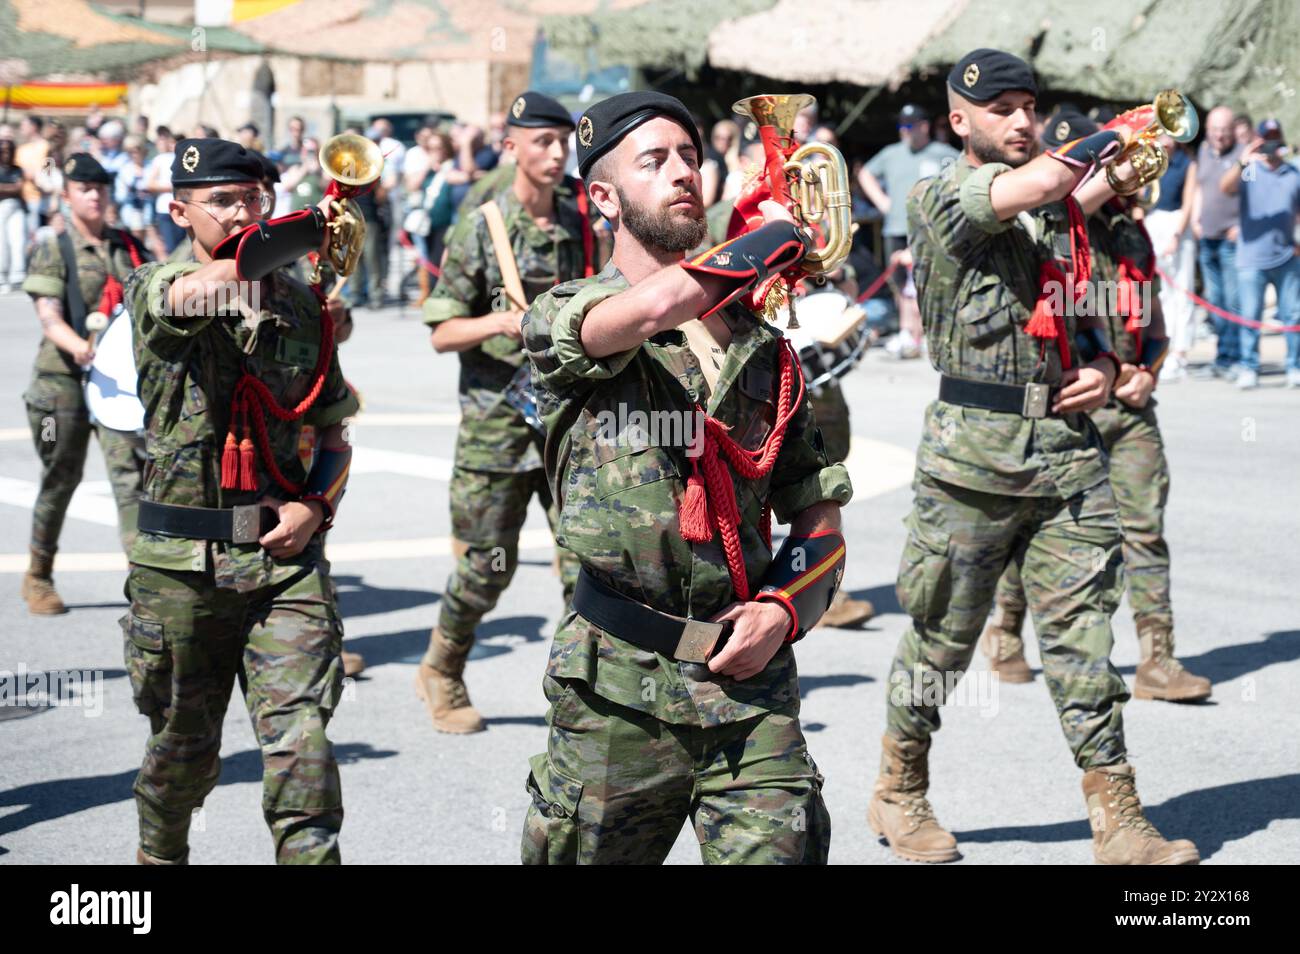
498, 467
1123, 275
228, 580
1009, 468
643, 735
56, 405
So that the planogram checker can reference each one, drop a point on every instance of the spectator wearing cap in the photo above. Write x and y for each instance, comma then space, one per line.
1168, 223
1214, 224
886, 180
1269, 191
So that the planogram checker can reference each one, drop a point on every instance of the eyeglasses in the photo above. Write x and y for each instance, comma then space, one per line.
223, 204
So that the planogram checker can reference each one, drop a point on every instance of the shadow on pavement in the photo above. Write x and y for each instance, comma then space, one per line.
807, 684
358, 598
1211, 817
57, 798
409, 645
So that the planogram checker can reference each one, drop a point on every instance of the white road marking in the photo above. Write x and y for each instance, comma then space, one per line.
875, 467
15, 434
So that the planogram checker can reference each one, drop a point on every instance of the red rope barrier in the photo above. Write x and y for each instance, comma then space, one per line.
878, 283
1215, 309
404, 240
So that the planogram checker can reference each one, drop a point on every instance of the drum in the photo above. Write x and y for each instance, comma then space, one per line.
832, 335
111, 392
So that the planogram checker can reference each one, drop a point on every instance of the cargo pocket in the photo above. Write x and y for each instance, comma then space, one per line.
925, 574
551, 828
634, 467
148, 664
989, 308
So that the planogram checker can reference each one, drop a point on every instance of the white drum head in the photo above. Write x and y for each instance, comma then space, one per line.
111, 391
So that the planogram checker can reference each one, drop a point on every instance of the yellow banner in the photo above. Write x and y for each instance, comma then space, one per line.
252, 9
63, 95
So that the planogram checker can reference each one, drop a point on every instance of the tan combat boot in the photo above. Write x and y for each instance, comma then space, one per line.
1002, 644
354, 664
38, 586
899, 811
1121, 834
443, 690
846, 612
1159, 674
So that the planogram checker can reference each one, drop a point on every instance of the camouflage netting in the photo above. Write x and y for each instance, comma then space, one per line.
661, 34
1244, 54
72, 37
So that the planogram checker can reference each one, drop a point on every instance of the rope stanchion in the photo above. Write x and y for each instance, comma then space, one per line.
1216, 310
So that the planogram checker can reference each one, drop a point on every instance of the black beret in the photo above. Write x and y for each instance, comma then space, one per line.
201, 162
83, 167
270, 171
1066, 125
985, 74
604, 125
533, 110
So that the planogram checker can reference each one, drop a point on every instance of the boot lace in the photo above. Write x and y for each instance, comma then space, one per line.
1128, 807
1162, 652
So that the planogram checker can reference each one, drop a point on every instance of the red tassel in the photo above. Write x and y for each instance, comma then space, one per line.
1042, 323
230, 463
693, 512
247, 465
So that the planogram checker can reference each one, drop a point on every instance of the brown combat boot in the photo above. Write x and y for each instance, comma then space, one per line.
1159, 674
38, 586
1121, 834
1002, 644
899, 811
354, 664
846, 612
443, 690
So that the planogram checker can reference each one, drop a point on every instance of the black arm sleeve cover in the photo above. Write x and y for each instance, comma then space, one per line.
265, 246
752, 257
803, 577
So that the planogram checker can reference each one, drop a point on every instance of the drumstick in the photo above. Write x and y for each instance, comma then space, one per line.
96, 322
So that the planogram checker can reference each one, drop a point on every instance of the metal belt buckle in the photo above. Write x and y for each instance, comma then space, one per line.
246, 523
698, 639
1036, 397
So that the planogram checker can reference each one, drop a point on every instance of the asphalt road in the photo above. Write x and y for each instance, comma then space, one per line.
1226, 773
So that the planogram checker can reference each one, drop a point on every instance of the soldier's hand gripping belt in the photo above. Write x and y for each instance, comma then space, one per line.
1090, 153
265, 246
328, 480
1093, 344
803, 577
750, 258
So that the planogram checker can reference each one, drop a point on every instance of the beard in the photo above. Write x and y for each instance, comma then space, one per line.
662, 228
987, 150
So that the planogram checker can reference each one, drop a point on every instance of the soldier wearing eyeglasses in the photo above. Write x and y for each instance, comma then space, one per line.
71, 276
228, 578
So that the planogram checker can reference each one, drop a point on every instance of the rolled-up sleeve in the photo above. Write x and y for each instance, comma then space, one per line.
45, 272
553, 339
976, 202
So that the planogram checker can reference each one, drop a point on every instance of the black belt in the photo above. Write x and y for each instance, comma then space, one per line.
1027, 400
243, 524
690, 640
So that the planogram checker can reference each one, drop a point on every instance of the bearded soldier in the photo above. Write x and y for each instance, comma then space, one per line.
673, 687
1009, 469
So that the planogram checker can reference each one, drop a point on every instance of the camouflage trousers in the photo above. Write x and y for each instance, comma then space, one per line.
487, 513
1068, 554
1139, 478
831, 412
615, 786
186, 642
61, 429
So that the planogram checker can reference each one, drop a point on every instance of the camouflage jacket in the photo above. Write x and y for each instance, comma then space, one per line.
493, 435
47, 278
1113, 235
977, 282
617, 478
188, 367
